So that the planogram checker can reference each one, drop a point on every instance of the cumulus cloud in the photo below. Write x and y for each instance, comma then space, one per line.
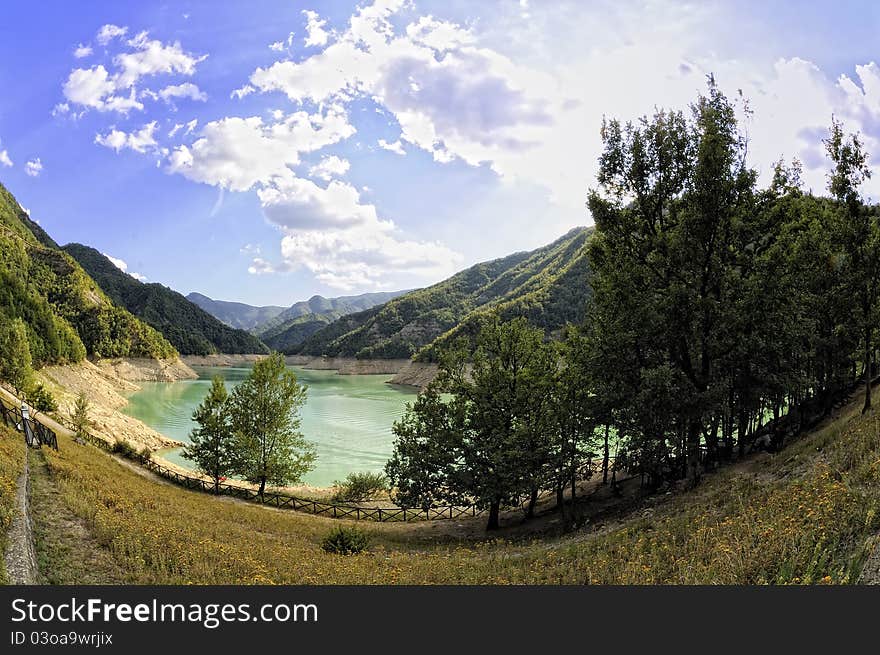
109, 32
395, 147
5, 160
241, 92
82, 51
316, 35
123, 266
239, 153
115, 90
142, 140
281, 46
330, 167
34, 167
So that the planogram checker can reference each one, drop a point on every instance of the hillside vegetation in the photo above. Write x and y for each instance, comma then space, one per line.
192, 330
547, 285
66, 314
806, 515
301, 320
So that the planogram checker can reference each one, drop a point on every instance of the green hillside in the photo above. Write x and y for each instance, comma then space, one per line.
300, 321
236, 314
66, 314
547, 285
191, 329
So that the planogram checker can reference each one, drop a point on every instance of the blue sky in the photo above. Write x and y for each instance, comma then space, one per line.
267, 150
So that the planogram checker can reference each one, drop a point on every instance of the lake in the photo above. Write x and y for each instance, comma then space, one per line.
348, 417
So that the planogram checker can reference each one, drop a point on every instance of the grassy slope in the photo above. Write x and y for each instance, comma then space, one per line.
548, 285
191, 329
11, 466
806, 515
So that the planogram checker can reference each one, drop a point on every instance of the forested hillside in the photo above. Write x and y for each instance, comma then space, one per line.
548, 285
191, 329
64, 313
301, 320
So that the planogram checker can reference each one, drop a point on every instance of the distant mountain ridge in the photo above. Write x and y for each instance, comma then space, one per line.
236, 314
549, 286
192, 330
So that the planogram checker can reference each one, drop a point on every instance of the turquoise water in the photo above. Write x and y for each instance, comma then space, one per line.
348, 417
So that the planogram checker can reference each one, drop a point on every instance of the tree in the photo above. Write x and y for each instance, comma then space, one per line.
79, 416
858, 232
479, 433
264, 413
15, 357
211, 446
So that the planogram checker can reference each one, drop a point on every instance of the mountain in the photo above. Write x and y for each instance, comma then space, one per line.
549, 286
192, 330
294, 325
235, 314
66, 314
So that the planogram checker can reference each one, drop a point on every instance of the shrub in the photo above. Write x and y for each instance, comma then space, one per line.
128, 451
358, 487
345, 541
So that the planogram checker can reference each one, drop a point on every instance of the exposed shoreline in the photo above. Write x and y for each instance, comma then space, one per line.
405, 371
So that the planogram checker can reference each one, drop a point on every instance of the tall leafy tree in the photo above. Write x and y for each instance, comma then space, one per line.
15, 356
212, 442
264, 410
858, 231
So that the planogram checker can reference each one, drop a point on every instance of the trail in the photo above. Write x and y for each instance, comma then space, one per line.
21, 556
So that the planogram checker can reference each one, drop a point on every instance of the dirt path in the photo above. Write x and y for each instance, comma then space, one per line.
20, 556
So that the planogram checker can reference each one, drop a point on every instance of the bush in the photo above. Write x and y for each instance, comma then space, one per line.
128, 451
42, 400
358, 487
345, 541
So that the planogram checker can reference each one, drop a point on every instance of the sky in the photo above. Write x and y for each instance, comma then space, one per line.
269, 150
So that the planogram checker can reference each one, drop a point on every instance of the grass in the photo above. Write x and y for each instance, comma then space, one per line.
807, 515
12, 450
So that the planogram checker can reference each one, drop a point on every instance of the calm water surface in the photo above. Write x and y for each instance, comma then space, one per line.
348, 417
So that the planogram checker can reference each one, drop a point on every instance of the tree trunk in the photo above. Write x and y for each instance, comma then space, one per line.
217, 485
605, 458
867, 369
693, 452
533, 500
262, 486
494, 510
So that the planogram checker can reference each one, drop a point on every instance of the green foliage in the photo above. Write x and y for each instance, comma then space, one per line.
80, 421
189, 328
211, 442
264, 410
342, 540
358, 487
15, 356
65, 314
42, 400
548, 286
479, 435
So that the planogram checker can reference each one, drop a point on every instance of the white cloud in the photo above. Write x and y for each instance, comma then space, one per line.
281, 46
396, 147
330, 167
141, 141
4, 158
174, 130
82, 51
138, 277
342, 241
191, 126
316, 35
152, 57
34, 167
118, 263
240, 93
239, 153
109, 32
185, 90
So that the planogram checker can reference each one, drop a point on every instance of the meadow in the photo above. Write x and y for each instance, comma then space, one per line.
806, 515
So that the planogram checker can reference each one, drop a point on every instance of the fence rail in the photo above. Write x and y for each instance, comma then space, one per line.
35, 433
